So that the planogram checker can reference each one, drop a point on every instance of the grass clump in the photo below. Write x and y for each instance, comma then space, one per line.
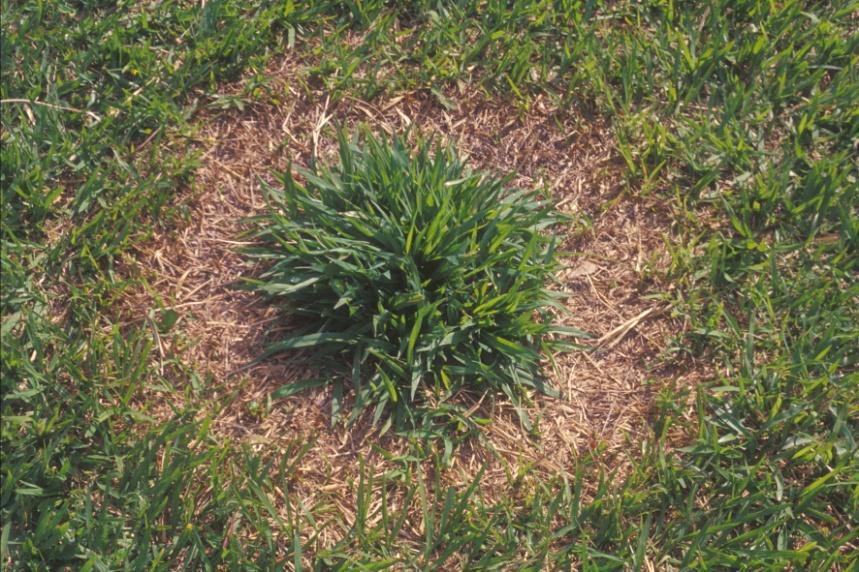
423, 277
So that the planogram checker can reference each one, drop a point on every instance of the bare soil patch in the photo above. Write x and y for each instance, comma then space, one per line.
618, 248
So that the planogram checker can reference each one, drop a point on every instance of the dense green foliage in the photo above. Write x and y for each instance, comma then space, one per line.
741, 115
424, 275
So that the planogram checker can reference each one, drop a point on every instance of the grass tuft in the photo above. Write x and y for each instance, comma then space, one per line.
420, 277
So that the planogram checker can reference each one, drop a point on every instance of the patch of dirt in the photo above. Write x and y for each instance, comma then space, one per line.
617, 246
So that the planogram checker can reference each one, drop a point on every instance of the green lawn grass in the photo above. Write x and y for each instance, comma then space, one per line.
741, 116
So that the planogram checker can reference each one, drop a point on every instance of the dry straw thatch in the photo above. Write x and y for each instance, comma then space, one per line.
608, 393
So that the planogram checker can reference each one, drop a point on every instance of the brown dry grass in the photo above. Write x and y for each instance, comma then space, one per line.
609, 393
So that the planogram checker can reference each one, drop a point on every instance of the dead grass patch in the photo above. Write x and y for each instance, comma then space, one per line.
617, 247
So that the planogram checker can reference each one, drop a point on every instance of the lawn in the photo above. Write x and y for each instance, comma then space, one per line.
698, 162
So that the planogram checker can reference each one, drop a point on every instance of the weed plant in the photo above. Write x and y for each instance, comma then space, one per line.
422, 277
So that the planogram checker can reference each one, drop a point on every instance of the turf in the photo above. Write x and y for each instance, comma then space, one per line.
740, 116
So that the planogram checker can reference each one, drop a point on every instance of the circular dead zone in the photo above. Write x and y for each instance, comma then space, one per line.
618, 245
